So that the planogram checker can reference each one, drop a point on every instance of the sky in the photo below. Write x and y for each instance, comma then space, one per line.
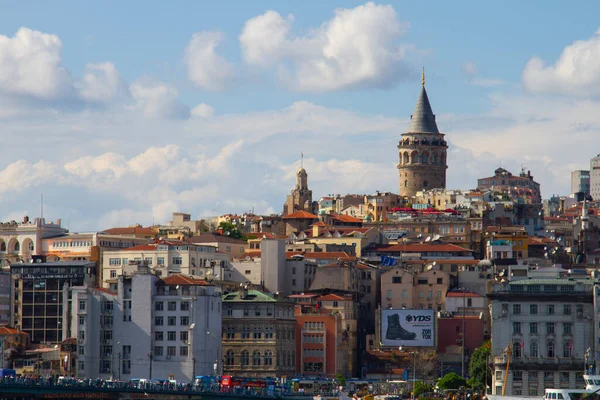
125, 112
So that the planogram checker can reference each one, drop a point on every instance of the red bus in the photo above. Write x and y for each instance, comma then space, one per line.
228, 381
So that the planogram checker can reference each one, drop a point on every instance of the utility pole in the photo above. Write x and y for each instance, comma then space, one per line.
193, 368
464, 337
150, 357
119, 365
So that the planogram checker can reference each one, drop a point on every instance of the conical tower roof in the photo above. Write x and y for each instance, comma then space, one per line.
423, 120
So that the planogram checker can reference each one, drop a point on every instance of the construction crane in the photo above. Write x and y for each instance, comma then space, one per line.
508, 354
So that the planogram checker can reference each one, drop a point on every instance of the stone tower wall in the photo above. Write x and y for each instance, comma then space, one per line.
422, 163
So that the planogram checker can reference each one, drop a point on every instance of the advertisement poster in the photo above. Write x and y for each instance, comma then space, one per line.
412, 328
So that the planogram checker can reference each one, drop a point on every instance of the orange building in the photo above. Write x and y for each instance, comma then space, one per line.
321, 343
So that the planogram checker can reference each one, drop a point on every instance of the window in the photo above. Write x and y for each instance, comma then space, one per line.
397, 279
567, 346
256, 358
183, 351
550, 328
516, 309
533, 350
550, 350
229, 357
244, 357
158, 336
229, 311
171, 350
440, 281
245, 332
269, 333
268, 358
114, 261
567, 309
172, 306
158, 350
533, 328
184, 306
81, 320
159, 306
172, 321
517, 347
257, 332
177, 260
81, 305
578, 307
517, 376
184, 321
550, 309
533, 309
113, 273
516, 328
567, 328
159, 321
160, 260
171, 336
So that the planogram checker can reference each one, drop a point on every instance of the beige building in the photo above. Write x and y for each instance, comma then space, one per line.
233, 247
359, 238
422, 151
376, 206
425, 290
259, 335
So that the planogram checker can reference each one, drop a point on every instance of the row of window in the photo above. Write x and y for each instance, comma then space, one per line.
171, 306
171, 351
438, 294
288, 359
535, 351
312, 352
314, 325
76, 243
312, 338
159, 336
257, 332
550, 328
172, 321
533, 375
551, 309
16, 246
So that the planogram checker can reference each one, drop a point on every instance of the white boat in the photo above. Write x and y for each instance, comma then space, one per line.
591, 391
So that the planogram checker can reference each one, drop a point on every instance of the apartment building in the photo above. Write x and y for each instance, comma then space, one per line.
166, 257
39, 294
545, 320
146, 327
425, 290
259, 335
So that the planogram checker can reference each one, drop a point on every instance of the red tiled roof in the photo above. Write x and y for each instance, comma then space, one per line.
320, 223
104, 290
130, 230
302, 295
142, 247
422, 248
210, 238
331, 297
322, 255
182, 280
346, 218
301, 215
460, 294
7, 330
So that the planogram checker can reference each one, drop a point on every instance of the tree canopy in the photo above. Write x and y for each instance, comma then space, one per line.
231, 231
451, 381
478, 365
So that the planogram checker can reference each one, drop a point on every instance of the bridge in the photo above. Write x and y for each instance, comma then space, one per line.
13, 391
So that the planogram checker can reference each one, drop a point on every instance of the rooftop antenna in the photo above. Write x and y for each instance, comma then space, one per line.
42, 206
301, 160
423, 77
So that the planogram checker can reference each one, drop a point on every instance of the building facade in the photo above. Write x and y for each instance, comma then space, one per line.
595, 177
422, 151
546, 325
580, 182
148, 327
259, 335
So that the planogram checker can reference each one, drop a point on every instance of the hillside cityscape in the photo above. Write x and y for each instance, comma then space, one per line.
379, 286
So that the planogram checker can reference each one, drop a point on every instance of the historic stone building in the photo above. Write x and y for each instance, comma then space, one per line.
422, 151
300, 199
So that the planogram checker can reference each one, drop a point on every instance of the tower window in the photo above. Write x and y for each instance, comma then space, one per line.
425, 183
406, 183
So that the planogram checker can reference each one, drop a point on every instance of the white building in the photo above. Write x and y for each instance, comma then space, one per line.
147, 327
548, 324
498, 249
580, 182
19, 241
166, 257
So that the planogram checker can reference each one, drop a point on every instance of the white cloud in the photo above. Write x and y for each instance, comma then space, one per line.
357, 48
31, 65
157, 99
202, 110
474, 77
102, 82
576, 72
206, 68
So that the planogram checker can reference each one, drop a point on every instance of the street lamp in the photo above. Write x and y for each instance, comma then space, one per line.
112, 372
216, 364
414, 354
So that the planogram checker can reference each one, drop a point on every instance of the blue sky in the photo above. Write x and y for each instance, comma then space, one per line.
108, 85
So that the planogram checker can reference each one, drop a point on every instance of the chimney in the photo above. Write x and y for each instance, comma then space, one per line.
26, 219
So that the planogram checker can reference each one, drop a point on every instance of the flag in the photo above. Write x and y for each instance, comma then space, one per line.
522, 344
570, 345
488, 346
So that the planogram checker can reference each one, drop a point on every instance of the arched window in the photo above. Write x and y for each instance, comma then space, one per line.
434, 158
414, 158
533, 350
425, 158
256, 358
3, 246
425, 183
30, 245
567, 349
405, 158
245, 357
268, 358
230, 357
406, 183
516, 349
17, 246
550, 351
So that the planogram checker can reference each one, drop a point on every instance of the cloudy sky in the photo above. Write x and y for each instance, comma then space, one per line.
124, 112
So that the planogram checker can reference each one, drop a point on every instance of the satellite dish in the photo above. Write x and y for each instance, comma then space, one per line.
436, 237
429, 267
428, 238
247, 258
209, 275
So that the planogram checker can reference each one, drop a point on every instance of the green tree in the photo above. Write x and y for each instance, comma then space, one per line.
478, 366
421, 387
451, 381
341, 380
231, 231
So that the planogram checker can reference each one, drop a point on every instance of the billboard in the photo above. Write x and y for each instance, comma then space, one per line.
413, 328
